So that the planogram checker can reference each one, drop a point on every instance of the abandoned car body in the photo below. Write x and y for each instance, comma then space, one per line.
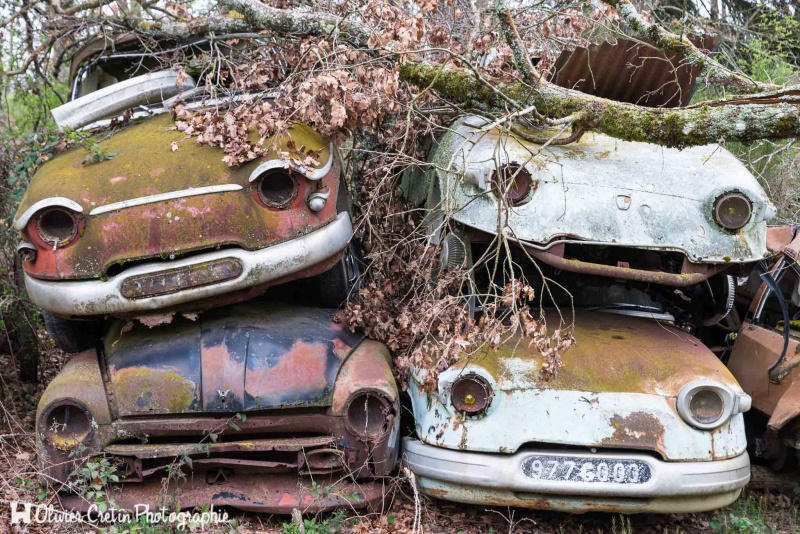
594, 205
166, 225
309, 401
766, 354
265, 406
641, 418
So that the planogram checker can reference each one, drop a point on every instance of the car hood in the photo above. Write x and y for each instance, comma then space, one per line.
238, 359
612, 353
603, 190
147, 163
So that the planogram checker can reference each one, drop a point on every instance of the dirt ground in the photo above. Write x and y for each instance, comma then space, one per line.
771, 503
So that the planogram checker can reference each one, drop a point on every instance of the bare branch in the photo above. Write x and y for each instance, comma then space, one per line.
667, 40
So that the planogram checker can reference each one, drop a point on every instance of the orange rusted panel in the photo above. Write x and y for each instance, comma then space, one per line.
756, 349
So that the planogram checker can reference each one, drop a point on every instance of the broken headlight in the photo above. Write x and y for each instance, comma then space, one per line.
57, 227
277, 188
732, 210
471, 394
513, 183
66, 425
366, 414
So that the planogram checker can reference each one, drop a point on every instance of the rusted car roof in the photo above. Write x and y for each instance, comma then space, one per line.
629, 71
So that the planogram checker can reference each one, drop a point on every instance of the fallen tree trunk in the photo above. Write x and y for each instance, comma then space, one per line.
741, 119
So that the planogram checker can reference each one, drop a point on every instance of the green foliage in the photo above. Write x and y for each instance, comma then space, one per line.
333, 524
769, 57
753, 514
92, 480
90, 144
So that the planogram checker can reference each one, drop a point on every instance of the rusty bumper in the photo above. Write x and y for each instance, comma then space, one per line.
276, 494
504, 480
158, 286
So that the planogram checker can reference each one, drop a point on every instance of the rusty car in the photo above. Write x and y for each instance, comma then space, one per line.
764, 351
165, 225
642, 418
598, 206
258, 410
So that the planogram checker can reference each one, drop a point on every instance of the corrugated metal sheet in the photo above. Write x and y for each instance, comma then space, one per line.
629, 71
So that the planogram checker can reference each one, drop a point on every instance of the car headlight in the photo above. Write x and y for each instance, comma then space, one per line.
706, 404
732, 210
471, 394
277, 188
512, 182
66, 425
57, 227
366, 414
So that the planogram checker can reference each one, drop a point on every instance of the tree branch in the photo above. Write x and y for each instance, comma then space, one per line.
666, 40
709, 122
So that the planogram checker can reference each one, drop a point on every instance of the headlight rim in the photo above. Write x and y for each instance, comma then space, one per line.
349, 424
48, 240
47, 435
486, 384
269, 203
502, 190
688, 391
725, 196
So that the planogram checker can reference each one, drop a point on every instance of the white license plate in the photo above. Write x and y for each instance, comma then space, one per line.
577, 469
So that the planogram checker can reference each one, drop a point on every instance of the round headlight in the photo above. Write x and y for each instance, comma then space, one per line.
471, 394
57, 227
512, 182
732, 210
66, 425
277, 188
366, 415
704, 404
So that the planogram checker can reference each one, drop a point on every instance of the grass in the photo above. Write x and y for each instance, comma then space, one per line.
758, 513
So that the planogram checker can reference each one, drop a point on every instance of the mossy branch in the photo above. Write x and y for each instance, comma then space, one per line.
741, 119
666, 40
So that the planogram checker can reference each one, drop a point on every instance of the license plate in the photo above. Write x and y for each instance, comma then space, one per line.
579, 469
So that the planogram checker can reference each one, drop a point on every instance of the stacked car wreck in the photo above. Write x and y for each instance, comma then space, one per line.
269, 407
153, 266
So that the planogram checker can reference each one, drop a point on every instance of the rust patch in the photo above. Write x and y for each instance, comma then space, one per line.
639, 430
301, 369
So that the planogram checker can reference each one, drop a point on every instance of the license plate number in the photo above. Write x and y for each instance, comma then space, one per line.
577, 469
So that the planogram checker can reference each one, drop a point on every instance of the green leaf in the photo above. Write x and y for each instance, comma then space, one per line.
390, 520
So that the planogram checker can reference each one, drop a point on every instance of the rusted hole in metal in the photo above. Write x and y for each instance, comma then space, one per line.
56, 226
512, 182
471, 394
277, 188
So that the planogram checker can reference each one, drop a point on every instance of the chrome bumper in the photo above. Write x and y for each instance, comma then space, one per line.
498, 479
104, 297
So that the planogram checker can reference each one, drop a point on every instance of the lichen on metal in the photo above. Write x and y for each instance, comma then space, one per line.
669, 193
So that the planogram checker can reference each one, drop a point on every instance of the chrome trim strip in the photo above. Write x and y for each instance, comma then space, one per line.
172, 195
309, 172
61, 202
